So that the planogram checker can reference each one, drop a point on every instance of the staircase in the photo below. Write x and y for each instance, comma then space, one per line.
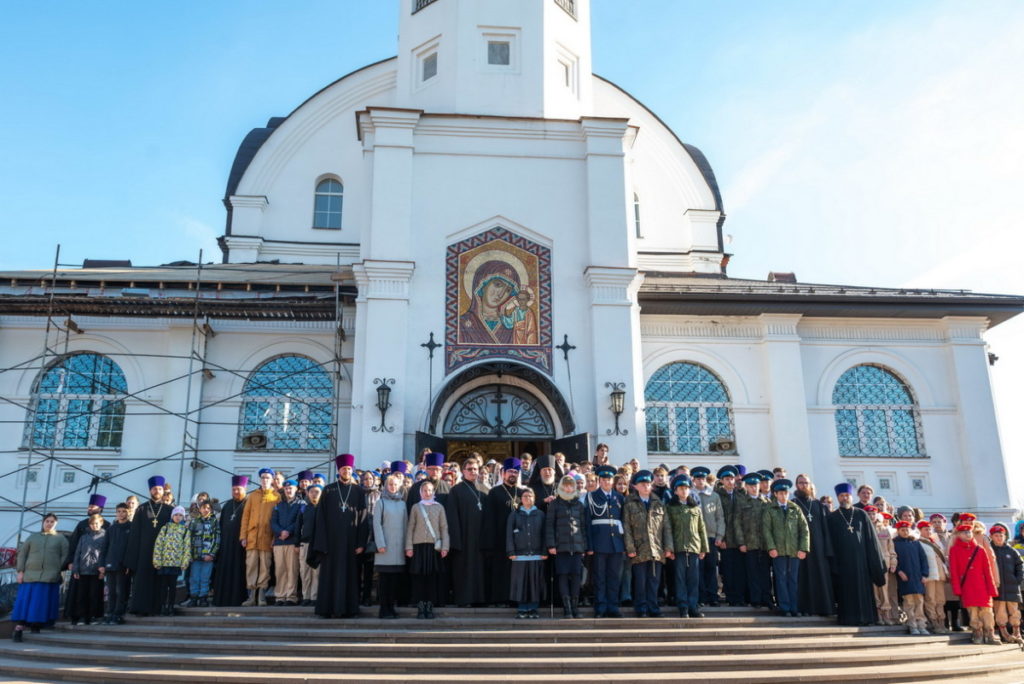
488, 645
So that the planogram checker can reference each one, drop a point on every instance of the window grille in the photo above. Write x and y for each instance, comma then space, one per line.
327, 204
876, 415
417, 5
687, 408
78, 404
290, 401
569, 6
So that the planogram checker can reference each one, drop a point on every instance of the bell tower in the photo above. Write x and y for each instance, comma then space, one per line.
526, 58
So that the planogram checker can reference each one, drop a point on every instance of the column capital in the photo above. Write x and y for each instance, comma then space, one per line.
965, 329
259, 202
388, 126
780, 327
604, 136
376, 279
612, 285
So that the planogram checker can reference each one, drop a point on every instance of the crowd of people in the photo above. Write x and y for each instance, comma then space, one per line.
530, 533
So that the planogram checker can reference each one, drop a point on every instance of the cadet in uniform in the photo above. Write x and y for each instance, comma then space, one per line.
604, 509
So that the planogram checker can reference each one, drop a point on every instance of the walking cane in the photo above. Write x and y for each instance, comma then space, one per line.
551, 595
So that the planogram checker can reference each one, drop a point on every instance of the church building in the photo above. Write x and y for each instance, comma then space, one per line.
480, 245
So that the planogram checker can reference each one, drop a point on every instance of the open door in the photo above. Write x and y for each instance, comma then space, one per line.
432, 442
575, 447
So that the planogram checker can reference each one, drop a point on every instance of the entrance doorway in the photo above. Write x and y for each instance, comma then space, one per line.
459, 450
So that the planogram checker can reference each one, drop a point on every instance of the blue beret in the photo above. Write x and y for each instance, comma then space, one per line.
700, 471
157, 481
727, 471
844, 488
314, 486
781, 485
291, 482
751, 479
605, 471
643, 476
434, 459
512, 464
265, 471
320, 475
680, 480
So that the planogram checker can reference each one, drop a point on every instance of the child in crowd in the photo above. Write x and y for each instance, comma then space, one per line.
883, 533
1011, 573
690, 544
788, 540
171, 555
308, 575
524, 544
567, 539
116, 574
285, 523
911, 571
427, 544
970, 571
205, 532
88, 567
937, 581
647, 535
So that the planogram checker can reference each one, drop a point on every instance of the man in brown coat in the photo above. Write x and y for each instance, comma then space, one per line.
257, 538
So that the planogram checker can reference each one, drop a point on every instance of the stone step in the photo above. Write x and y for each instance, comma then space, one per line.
472, 665
455, 611
417, 632
223, 644
967, 667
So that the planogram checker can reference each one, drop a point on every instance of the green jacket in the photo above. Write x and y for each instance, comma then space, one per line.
751, 532
173, 546
730, 510
689, 534
647, 532
786, 532
41, 557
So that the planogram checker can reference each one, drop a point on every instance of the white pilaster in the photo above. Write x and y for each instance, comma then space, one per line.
784, 382
387, 135
608, 203
980, 446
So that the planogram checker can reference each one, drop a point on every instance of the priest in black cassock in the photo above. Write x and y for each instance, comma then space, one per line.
501, 501
229, 587
465, 511
96, 504
149, 518
434, 462
339, 537
857, 561
814, 583
544, 481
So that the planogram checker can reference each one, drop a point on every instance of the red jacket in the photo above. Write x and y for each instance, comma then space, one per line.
977, 589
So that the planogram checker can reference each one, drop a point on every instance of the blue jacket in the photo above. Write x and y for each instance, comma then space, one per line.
287, 516
910, 560
605, 515
117, 545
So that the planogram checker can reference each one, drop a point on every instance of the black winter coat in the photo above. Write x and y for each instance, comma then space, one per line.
117, 545
525, 534
567, 528
1011, 572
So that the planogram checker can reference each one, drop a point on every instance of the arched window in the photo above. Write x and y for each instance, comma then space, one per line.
287, 404
327, 204
687, 408
876, 414
78, 403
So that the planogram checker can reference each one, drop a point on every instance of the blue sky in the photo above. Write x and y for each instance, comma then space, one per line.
865, 143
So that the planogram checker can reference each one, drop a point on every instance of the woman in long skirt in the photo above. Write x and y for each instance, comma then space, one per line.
39, 565
524, 543
426, 543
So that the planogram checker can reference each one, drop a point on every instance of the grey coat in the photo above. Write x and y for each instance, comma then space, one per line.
714, 516
389, 520
91, 554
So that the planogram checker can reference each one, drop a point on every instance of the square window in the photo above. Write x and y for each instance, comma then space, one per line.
69, 477
499, 52
884, 483
917, 483
32, 475
430, 66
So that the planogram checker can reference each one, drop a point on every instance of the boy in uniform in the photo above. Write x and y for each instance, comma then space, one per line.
690, 544
733, 568
788, 540
911, 571
648, 539
751, 538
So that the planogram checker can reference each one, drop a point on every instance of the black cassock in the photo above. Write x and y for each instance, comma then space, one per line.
149, 518
501, 501
856, 565
464, 509
815, 579
229, 569
71, 595
341, 527
441, 489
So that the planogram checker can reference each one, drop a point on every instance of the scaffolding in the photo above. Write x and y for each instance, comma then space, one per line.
57, 334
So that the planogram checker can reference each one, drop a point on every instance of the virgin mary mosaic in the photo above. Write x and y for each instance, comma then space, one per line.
498, 300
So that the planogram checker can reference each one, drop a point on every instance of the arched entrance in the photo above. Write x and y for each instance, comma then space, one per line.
501, 409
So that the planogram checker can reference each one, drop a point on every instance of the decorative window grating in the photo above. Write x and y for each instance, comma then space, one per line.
497, 411
327, 204
78, 404
876, 415
417, 5
687, 408
569, 6
288, 401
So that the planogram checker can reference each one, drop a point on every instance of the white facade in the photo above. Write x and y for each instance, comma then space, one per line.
541, 149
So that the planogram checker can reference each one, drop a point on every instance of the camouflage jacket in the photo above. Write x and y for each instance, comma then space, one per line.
730, 512
647, 530
751, 525
786, 532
